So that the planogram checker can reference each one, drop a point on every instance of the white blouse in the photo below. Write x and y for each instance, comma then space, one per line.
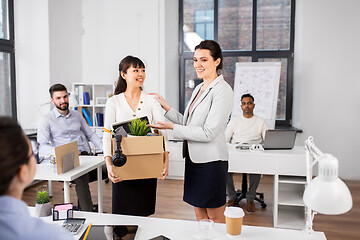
118, 110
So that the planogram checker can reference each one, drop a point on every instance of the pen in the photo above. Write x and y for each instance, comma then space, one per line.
106, 130
87, 231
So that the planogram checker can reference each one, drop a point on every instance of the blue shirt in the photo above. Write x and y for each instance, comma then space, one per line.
16, 223
56, 129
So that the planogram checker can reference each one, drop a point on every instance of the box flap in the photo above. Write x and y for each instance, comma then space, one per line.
142, 145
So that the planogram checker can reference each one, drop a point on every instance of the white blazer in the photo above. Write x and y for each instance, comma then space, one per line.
204, 127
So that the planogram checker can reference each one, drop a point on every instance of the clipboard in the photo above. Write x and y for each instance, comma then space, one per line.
67, 157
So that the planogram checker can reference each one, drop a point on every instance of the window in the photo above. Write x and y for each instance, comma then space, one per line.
7, 60
247, 31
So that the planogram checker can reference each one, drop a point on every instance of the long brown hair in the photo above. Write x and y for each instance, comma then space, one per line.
14, 151
128, 61
215, 51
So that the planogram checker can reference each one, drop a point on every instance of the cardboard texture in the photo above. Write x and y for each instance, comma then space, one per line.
67, 157
144, 157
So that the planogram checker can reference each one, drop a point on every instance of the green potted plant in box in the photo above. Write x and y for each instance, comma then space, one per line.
138, 127
43, 204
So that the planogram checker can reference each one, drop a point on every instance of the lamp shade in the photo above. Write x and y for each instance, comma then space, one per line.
327, 194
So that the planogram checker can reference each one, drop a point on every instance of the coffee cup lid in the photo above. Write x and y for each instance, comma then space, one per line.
234, 212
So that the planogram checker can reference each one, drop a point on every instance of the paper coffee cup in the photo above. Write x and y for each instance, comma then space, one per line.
234, 218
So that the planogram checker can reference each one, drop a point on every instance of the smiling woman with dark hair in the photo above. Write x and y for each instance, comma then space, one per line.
17, 170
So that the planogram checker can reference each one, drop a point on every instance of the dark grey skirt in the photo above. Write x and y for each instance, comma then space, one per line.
205, 183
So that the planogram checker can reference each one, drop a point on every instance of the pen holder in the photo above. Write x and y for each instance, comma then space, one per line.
63, 211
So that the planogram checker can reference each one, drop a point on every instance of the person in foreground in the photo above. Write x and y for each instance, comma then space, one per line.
132, 197
61, 126
250, 129
202, 127
17, 170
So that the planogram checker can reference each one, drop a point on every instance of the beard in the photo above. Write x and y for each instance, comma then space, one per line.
63, 107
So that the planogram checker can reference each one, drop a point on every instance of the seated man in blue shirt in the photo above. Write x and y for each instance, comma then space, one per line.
62, 126
17, 170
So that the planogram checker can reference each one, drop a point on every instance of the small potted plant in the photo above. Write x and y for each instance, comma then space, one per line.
43, 204
138, 127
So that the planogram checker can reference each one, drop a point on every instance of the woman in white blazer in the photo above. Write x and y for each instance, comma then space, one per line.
131, 197
202, 127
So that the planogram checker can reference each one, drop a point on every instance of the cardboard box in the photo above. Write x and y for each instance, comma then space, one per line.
144, 157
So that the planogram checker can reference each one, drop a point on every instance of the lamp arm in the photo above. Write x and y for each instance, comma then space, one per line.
310, 146
312, 154
309, 223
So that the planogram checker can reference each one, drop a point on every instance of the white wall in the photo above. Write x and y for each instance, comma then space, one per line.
65, 32
326, 81
83, 41
32, 59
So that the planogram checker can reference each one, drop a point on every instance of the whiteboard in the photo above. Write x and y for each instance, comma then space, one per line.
261, 80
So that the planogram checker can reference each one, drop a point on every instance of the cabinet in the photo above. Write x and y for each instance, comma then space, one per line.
176, 161
91, 99
289, 208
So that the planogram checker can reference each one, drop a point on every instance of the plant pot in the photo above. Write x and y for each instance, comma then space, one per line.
43, 210
129, 135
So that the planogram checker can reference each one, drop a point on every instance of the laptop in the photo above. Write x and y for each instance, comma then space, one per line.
279, 139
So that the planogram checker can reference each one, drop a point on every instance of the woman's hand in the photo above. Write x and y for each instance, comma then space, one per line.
111, 174
162, 125
162, 101
165, 172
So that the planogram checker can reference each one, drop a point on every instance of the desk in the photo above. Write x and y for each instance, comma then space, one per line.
183, 229
287, 166
271, 162
45, 171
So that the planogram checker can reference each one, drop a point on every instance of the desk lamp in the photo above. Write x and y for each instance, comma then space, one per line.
326, 193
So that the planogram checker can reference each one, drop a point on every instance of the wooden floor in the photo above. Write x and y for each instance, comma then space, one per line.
170, 205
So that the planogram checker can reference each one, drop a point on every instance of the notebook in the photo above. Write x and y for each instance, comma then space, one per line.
279, 139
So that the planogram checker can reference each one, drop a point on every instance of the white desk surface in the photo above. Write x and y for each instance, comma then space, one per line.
45, 170
183, 229
272, 162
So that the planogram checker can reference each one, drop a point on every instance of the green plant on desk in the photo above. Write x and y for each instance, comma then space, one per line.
138, 127
42, 197
43, 204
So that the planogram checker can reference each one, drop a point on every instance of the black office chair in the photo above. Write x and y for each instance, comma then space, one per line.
241, 194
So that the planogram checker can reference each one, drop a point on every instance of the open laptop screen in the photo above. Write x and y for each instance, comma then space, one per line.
279, 139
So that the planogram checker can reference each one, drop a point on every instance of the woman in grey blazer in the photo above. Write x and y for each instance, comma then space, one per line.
202, 127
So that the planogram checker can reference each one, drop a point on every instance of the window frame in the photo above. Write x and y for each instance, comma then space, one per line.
8, 46
254, 54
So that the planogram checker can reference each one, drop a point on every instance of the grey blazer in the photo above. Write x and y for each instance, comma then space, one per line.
204, 127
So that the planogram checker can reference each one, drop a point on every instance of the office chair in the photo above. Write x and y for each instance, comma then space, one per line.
241, 194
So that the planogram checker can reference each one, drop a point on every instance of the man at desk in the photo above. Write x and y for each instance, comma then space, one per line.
245, 129
62, 126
